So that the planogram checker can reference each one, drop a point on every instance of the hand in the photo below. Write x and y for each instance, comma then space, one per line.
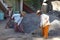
39, 27
48, 25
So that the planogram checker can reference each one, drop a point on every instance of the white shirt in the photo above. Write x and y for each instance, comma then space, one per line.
44, 20
17, 18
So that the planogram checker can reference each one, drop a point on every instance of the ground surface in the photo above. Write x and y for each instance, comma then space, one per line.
30, 23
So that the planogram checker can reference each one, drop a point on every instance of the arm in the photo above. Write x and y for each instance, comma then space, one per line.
47, 21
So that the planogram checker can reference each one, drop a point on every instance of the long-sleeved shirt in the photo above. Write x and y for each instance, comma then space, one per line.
44, 20
17, 18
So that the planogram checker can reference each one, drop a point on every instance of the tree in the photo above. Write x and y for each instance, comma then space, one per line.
34, 3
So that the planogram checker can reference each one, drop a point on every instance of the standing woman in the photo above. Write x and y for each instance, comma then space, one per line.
10, 12
44, 24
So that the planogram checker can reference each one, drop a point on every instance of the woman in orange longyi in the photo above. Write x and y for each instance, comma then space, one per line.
44, 24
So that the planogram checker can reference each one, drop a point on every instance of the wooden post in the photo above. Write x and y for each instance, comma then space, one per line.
21, 6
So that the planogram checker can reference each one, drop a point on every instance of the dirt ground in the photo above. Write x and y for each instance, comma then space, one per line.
30, 22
